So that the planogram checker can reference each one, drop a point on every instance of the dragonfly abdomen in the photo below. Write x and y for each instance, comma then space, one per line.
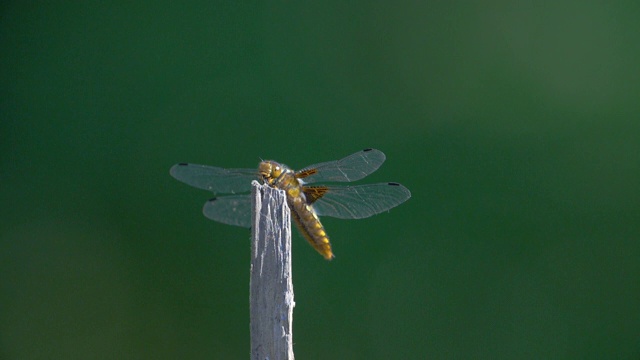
310, 227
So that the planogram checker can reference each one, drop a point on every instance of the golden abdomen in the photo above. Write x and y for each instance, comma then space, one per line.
310, 226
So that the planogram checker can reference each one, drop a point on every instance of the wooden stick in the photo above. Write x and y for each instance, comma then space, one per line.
271, 289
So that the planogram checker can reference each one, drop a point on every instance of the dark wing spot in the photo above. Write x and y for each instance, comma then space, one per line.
183, 164
304, 173
313, 193
393, 184
367, 149
212, 199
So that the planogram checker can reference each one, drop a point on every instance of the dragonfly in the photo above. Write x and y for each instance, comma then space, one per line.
232, 204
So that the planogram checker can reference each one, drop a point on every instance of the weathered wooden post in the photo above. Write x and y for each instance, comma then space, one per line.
271, 287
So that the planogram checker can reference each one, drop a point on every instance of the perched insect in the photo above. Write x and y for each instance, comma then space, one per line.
306, 202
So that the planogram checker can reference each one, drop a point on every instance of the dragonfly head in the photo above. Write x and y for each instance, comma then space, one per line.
270, 171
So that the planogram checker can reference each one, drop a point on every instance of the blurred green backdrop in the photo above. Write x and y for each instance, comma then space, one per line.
515, 125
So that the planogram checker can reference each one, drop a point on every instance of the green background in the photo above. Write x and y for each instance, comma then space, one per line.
515, 126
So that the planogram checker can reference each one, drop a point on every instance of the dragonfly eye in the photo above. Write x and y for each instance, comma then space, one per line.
269, 171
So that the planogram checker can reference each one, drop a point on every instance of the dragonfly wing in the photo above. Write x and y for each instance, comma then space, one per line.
353, 167
214, 179
357, 202
232, 210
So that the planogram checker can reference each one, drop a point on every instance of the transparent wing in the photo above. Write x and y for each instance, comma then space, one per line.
353, 167
214, 179
232, 210
357, 202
